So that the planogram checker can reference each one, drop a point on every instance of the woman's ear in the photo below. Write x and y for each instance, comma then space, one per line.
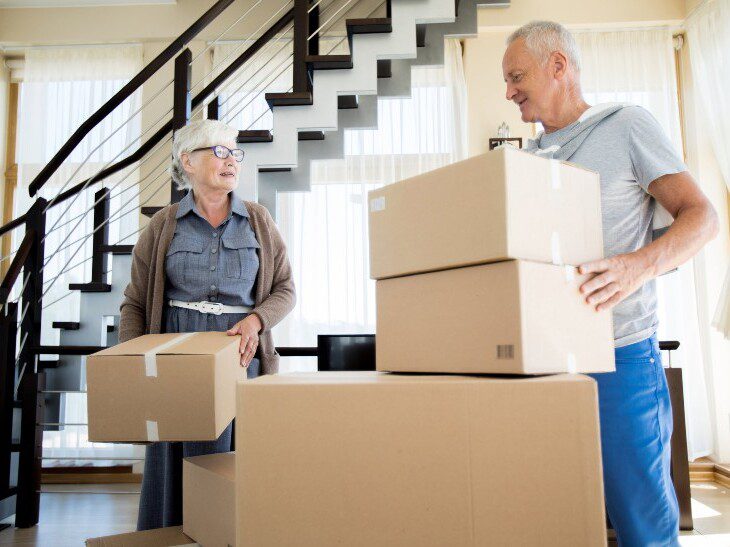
186, 162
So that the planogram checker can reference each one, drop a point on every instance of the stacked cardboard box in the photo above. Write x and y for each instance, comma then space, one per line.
470, 263
475, 268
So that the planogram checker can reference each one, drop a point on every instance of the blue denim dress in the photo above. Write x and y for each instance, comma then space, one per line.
203, 263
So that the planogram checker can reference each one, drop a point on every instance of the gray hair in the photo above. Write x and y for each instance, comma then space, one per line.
197, 134
545, 37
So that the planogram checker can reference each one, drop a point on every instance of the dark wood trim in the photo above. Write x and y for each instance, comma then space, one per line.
300, 79
181, 105
66, 350
66, 325
31, 447
214, 107
135, 83
680, 462
99, 260
8, 336
16, 265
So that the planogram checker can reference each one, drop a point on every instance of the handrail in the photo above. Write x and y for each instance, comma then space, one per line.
16, 266
165, 129
123, 94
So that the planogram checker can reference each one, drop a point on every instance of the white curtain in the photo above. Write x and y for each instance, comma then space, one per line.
61, 88
326, 229
638, 66
708, 34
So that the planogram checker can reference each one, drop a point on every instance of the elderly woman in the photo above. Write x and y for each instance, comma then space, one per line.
209, 263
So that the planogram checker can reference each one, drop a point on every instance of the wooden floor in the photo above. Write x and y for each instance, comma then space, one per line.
72, 513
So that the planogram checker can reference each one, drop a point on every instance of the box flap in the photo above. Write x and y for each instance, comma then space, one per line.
199, 343
223, 465
160, 537
370, 377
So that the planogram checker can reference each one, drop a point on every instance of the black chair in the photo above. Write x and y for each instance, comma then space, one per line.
346, 352
680, 460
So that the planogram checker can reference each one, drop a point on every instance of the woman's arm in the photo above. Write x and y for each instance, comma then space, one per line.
133, 309
282, 298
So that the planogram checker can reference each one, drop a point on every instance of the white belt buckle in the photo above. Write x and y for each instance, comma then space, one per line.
216, 308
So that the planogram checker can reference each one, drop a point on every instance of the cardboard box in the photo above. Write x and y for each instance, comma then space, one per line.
366, 459
164, 387
209, 499
505, 204
513, 317
161, 537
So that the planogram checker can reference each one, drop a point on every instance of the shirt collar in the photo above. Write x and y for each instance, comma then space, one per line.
187, 204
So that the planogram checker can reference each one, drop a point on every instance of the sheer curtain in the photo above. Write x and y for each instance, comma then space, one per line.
326, 229
638, 66
61, 88
708, 33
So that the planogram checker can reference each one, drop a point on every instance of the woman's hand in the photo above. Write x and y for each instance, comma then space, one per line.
249, 328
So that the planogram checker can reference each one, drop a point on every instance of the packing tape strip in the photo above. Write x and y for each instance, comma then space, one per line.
555, 174
150, 357
153, 435
555, 248
572, 364
377, 204
569, 273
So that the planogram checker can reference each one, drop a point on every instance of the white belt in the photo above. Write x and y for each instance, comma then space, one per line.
216, 308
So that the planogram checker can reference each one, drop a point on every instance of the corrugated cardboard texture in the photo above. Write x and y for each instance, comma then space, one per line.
496, 206
161, 537
209, 499
191, 398
375, 459
512, 317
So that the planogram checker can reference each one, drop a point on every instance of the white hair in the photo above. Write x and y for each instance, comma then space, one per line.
197, 134
545, 37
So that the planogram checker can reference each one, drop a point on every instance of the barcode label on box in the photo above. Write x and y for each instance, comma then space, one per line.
505, 351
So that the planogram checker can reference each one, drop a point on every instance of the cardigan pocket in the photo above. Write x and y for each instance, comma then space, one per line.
244, 261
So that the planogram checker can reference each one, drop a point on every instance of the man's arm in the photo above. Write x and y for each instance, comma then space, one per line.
695, 223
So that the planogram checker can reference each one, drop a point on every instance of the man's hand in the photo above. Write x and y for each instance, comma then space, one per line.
249, 328
616, 278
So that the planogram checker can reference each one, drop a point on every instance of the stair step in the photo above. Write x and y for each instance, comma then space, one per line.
90, 287
274, 169
421, 35
328, 62
43, 365
256, 135
149, 211
15, 447
17, 404
117, 249
297, 98
384, 68
373, 25
66, 325
345, 102
311, 135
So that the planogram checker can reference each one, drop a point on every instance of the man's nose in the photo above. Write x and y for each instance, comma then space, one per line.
511, 92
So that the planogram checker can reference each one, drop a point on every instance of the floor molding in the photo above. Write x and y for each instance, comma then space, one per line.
710, 472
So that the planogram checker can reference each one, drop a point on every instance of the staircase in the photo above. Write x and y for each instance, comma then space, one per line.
330, 93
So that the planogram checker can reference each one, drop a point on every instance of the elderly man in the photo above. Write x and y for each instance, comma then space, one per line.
638, 166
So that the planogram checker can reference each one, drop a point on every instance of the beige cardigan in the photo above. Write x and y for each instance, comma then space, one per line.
141, 310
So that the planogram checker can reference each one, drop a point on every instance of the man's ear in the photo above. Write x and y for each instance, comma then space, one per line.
558, 64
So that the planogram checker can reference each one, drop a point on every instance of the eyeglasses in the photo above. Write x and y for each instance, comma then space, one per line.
223, 152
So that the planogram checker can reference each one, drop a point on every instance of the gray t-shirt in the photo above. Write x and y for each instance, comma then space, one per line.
629, 150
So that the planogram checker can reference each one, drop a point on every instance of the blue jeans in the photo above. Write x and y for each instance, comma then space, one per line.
636, 429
